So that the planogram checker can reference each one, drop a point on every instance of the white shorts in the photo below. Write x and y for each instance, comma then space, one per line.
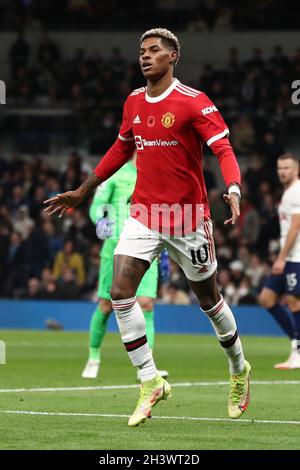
195, 253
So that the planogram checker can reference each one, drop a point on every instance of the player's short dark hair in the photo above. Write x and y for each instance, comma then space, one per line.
289, 156
167, 38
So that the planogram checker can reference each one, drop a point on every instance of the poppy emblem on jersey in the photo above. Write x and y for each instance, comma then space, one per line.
168, 119
151, 121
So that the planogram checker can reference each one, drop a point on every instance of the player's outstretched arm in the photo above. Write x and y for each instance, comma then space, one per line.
62, 202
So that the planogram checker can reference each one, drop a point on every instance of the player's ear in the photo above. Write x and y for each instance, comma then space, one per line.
173, 57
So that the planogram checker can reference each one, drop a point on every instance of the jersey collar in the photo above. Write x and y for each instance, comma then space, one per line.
156, 99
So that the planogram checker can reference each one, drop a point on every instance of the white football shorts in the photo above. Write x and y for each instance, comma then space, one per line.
195, 253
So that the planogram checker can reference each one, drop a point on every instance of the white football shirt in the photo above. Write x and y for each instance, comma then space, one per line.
289, 205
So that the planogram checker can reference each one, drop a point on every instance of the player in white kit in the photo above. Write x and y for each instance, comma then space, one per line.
285, 275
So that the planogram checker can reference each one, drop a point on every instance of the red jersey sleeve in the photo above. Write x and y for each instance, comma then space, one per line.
227, 161
207, 120
120, 152
126, 133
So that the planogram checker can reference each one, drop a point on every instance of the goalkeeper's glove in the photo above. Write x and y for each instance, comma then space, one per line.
164, 265
104, 228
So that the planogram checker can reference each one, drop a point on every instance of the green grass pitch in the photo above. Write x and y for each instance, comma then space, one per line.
195, 418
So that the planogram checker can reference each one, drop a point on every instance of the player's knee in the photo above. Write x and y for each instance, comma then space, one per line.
105, 306
293, 303
116, 293
265, 300
146, 304
209, 301
120, 293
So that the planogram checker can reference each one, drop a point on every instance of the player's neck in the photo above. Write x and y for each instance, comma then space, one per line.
158, 87
288, 185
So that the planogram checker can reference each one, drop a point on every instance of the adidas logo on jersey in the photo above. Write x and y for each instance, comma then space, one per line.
204, 269
137, 120
208, 110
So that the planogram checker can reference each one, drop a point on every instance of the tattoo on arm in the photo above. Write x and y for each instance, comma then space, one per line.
89, 184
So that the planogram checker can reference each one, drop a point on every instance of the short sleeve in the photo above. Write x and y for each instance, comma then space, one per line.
295, 203
207, 120
126, 133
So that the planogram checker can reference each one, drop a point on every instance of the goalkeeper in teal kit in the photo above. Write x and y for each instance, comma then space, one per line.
109, 210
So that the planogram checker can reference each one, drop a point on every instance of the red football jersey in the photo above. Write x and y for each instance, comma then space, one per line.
169, 132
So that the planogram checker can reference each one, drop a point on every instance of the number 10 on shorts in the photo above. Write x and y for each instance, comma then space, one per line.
2, 352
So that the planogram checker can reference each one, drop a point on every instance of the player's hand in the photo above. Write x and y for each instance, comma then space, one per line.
278, 266
62, 202
104, 228
233, 200
164, 265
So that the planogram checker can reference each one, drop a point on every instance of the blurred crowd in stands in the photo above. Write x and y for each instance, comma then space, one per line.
88, 92
44, 257
190, 15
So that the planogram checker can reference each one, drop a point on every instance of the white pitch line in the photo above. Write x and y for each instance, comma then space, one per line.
125, 387
182, 418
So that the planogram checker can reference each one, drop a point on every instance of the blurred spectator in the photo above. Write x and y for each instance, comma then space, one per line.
4, 249
92, 270
53, 239
71, 259
53, 187
249, 222
243, 135
33, 289
218, 209
255, 174
237, 271
68, 287
35, 251
278, 58
172, 295
80, 228
269, 224
15, 275
79, 11
224, 20
48, 53
22, 223
17, 200
46, 276
255, 271
117, 63
209, 177
36, 202
224, 250
19, 53
50, 290
70, 179
271, 148
244, 294
227, 288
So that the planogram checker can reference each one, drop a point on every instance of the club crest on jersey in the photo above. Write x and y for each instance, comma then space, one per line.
168, 119
151, 121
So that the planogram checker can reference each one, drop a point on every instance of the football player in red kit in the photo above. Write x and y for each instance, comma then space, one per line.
168, 123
